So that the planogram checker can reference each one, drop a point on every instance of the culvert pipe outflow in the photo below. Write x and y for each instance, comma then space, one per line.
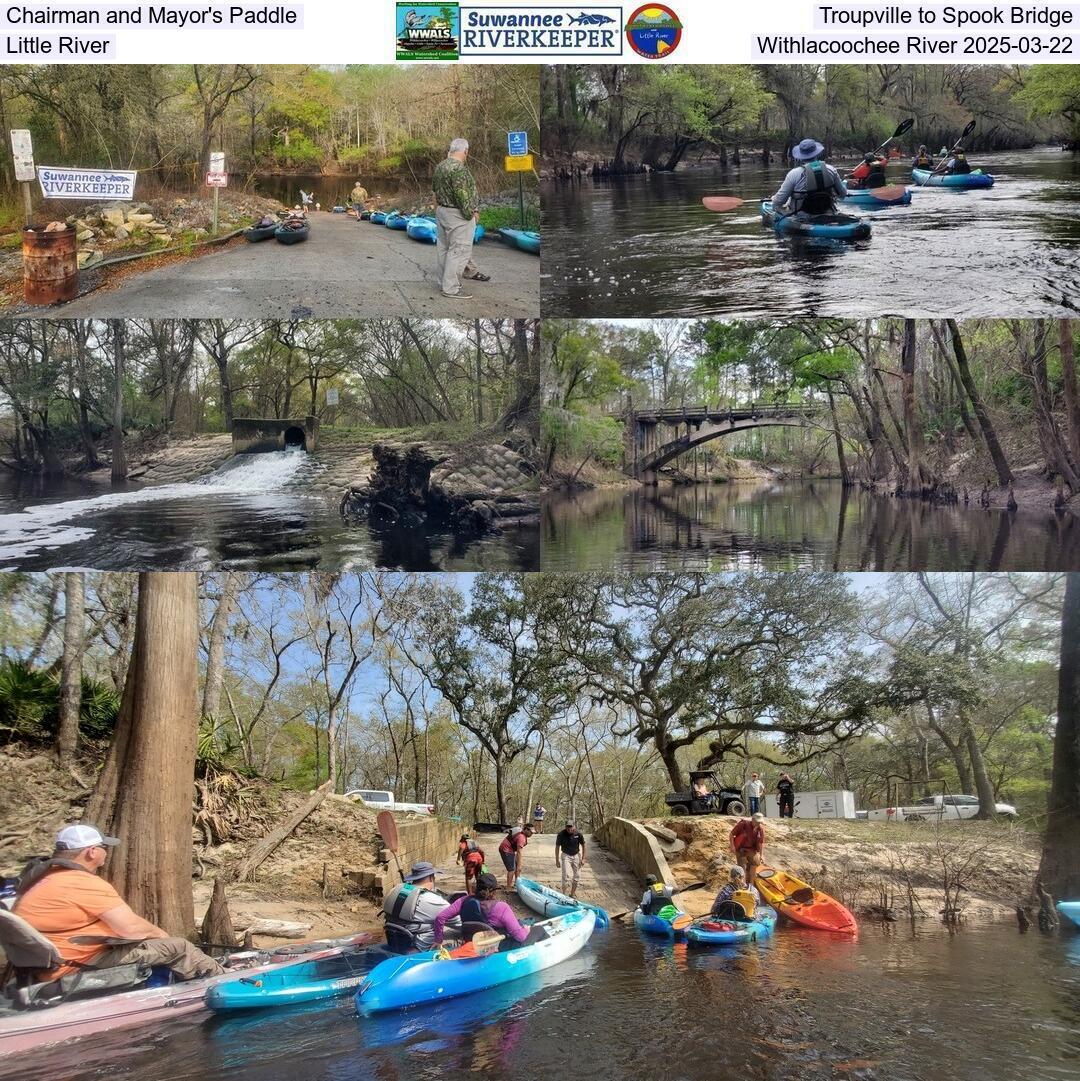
295, 437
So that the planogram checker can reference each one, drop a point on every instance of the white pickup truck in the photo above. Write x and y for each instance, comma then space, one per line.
938, 809
380, 800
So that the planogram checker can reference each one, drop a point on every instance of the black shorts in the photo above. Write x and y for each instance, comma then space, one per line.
509, 860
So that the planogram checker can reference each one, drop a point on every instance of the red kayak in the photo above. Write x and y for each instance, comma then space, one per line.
800, 902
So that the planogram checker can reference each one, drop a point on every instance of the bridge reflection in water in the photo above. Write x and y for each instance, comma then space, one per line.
792, 525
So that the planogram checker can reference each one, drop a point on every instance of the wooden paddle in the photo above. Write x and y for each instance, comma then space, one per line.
963, 135
388, 833
680, 889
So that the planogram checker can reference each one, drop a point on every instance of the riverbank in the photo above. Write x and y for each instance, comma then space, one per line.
879, 870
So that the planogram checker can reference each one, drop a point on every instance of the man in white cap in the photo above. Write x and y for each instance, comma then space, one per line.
82, 915
456, 214
812, 187
747, 842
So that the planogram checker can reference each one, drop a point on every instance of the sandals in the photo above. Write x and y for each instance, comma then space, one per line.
478, 277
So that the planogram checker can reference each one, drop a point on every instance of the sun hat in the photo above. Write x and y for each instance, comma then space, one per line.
419, 871
74, 838
757, 816
807, 150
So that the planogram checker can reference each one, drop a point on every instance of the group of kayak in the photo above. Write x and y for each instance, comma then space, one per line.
423, 228
808, 201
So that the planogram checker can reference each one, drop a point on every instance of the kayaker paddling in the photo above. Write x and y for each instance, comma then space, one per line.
922, 159
410, 910
456, 214
869, 173
658, 895
812, 187
82, 915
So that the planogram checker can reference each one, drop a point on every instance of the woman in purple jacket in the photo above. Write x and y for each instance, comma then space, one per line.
484, 908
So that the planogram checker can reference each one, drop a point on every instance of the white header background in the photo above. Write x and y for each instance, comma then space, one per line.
363, 32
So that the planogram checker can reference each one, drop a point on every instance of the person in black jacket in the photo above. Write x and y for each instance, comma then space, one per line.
785, 789
570, 856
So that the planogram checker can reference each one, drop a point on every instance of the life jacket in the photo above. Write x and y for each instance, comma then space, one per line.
746, 899
923, 161
40, 866
818, 197
508, 844
660, 894
474, 854
960, 164
875, 176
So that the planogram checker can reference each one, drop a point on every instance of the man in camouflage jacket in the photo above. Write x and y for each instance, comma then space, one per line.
456, 215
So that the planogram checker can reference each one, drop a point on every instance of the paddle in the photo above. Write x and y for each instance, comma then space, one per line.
680, 889
388, 833
903, 128
887, 191
963, 135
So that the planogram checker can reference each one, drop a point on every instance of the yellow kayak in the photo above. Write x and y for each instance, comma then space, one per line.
800, 902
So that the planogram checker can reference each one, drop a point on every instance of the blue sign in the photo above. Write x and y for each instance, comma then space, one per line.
517, 143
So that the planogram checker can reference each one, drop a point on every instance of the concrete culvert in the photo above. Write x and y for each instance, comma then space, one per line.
295, 437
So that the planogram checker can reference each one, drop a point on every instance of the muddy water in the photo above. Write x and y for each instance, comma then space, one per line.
645, 246
797, 525
985, 1004
256, 512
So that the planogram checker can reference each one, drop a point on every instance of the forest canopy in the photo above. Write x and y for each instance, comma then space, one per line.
663, 115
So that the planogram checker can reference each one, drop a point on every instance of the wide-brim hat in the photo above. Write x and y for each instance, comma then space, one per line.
419, 871
807, 150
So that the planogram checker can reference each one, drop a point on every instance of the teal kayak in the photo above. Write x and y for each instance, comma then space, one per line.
378, 217
546, 902
396, 221
421, 229
1070, 909
713, 931
417, 978
871, 201
831, 226
525, 239
303, 981
975, 179
657, 925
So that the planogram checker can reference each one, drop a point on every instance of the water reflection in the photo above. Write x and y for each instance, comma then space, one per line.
816, 525
644, 246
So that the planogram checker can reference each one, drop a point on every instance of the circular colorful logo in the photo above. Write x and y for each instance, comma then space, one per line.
653, 31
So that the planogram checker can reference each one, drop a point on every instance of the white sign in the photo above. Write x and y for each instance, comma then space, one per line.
331, 396
217, 180
60, 183
22, 150
217, 162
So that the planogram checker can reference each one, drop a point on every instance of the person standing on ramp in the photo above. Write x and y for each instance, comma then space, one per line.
456, 215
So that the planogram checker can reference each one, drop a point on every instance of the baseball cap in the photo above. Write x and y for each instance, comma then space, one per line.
758, 817
73, 838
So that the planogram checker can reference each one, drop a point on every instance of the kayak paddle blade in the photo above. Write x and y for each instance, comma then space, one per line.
905, 127
721, 203
889, 191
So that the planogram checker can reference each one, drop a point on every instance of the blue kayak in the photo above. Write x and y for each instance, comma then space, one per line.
1071, 909
304, 981
378, 217
395, 220
525, 239
423, 229
975, 179
656, 925
547, 902
417, 978
713, 931
830, 226
870, 200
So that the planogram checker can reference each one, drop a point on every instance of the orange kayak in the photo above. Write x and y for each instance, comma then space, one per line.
799, 901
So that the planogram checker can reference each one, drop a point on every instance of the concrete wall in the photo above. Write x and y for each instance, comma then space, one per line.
637, 847
258, 435
424, 838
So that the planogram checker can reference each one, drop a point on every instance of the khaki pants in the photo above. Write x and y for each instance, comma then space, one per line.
748, 860
180, 956
453, 244
571, 868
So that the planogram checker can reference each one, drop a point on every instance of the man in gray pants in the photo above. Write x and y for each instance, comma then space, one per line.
456, 216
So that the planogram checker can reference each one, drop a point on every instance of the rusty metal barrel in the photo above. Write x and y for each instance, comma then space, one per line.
50, 265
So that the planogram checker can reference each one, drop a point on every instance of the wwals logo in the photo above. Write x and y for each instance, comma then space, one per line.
428, 31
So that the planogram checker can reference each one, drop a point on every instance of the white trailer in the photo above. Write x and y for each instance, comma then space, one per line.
836, 804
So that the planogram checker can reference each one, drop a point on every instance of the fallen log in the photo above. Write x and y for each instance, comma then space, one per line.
267, 844
252, 925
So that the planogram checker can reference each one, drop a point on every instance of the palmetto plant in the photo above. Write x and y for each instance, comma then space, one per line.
30, 705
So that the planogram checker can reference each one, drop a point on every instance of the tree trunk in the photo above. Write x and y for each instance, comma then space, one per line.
911, 421
845, 476
144, 791
119, 459
67, 738
1034, 363
1059, 870
215, 653
1072, 395
984, 787
667, 756
500, 793
1004, 473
